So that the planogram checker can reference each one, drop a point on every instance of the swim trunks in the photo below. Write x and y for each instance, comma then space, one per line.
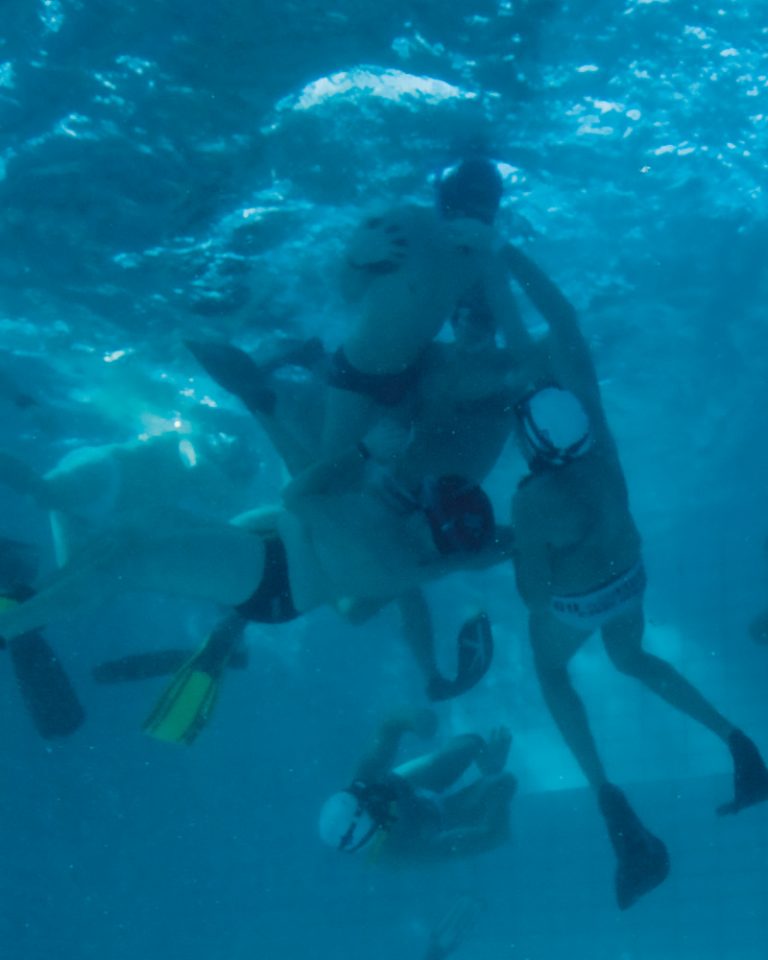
271, 601
588, 611
388, 389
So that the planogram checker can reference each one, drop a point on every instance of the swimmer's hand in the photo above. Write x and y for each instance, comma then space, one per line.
386, 440
379, 246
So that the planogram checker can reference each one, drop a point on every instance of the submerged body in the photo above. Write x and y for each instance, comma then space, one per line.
579, 569
416, 813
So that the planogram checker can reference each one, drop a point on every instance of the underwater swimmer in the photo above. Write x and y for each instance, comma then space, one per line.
139, 482
413, 813
458, 417
579, 570
406, 272
392, 540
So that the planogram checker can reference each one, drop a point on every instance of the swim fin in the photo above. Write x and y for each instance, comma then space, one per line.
642, 859
475, 654
157, 663
187, 704
239, 374
46, 689
750, 775
235, 371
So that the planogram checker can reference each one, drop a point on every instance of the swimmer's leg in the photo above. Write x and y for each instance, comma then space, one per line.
217, 562
643, 862
554, 643
440, 770
623, 640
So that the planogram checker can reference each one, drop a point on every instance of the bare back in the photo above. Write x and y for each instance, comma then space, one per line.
574, 531
403, 304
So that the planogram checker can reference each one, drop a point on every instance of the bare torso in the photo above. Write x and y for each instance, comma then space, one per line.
402, 310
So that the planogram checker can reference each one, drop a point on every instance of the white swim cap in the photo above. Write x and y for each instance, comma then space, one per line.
345, 824
555, 426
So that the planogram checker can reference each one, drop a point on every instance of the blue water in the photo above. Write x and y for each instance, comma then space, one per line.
170, 169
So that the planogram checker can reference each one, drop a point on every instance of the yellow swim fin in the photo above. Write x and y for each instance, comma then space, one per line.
188, 702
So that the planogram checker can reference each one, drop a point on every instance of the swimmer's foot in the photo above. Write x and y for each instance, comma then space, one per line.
235, 371
750, 775
475, 653
643, 861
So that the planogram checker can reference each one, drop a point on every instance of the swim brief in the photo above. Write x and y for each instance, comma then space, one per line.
388, 389
271, 601
588, 611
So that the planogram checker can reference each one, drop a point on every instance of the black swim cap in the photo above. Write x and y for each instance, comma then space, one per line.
459, 512
471, 188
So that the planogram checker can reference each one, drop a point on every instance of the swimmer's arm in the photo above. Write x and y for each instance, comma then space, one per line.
380, 756
330, 476
549, 301
418, 632
505, 310
382, 444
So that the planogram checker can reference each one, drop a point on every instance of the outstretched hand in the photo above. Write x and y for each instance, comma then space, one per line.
379, 246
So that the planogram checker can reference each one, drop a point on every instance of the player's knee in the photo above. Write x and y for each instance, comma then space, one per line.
627, 660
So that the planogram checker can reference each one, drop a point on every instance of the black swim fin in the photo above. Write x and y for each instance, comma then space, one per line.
188, 702
643, 860
157, 663
750, 775
239, 374
475, 654
235, 371
45, 687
